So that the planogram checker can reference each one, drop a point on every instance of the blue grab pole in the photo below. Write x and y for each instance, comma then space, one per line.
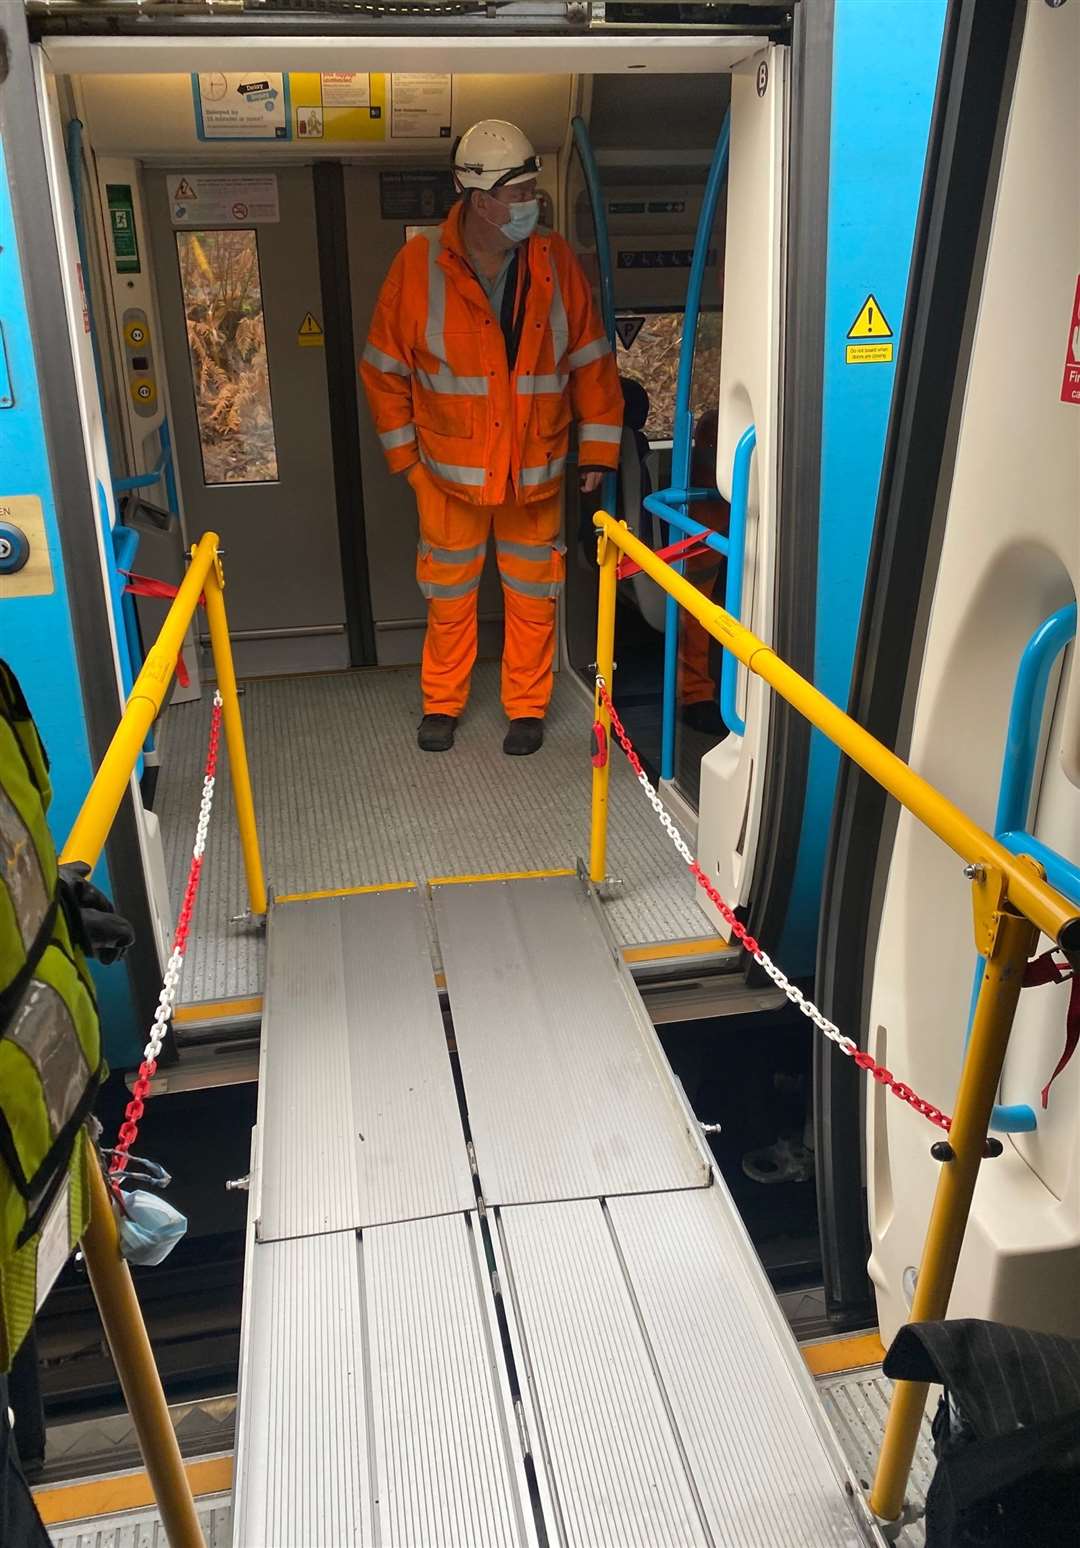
740, 494
165, 437
659, 507
603, 258
1025, 717
1014, 798
599, 213
684, 426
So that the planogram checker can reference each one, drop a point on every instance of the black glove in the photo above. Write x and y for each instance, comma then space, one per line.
95, 925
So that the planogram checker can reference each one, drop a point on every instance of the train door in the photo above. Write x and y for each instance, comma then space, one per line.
990, 691
237, 270
732, 774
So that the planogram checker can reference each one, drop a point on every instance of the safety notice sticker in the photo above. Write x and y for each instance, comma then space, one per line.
222, 198
309, 335
1070, 382
872, 335
125, 243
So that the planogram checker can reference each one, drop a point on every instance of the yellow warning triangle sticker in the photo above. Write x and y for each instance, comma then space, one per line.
870, 322
309, 335
184, 190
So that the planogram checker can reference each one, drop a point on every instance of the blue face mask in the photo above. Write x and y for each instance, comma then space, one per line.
523, 221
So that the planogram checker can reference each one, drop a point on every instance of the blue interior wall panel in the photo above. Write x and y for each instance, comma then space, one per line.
35, 632
885, 64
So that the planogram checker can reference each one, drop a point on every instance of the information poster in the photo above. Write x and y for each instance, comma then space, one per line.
346, 89
342, 107
222, 199
241, 107
421, 107
424, 196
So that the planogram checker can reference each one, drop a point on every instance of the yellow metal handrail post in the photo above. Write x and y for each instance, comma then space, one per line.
1029, 894
110, 1277
140, 1380
87, 837
607, 556
1014, 939
234, 739
1013, 902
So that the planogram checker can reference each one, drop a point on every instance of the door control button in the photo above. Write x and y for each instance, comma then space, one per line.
14, 548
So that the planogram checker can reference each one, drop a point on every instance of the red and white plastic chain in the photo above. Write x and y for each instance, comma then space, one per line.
129, 1129
846, 1045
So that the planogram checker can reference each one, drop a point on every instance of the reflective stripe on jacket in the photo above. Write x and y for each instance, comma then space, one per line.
50, 1040
436, 375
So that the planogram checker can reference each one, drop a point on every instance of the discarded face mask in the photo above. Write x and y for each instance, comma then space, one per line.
149, 1227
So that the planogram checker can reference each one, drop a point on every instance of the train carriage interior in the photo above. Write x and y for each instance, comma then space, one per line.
874, 484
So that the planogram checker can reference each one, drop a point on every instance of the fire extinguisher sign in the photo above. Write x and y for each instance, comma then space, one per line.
1070, 382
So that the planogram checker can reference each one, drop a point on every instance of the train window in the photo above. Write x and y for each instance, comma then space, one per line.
652, 358
223, 309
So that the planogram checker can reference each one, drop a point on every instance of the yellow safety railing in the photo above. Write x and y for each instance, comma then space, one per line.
109, 1274
1011, 900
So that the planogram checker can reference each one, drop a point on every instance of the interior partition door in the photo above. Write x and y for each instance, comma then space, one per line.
237, 272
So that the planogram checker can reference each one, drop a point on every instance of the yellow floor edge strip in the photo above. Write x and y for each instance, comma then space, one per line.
495, 876
218, 1010
86, 1501
853, 1353
344, 892
664, 951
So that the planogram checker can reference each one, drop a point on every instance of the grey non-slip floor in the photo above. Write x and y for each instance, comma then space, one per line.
143, 1528
345, 798
857, 1403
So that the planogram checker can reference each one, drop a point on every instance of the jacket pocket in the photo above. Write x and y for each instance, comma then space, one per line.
552, 415
443, 414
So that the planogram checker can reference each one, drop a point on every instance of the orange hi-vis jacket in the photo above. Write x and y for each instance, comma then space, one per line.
436, 374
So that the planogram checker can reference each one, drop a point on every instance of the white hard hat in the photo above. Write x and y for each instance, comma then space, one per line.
493, 154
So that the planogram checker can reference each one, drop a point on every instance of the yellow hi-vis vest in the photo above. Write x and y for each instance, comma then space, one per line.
50, 1041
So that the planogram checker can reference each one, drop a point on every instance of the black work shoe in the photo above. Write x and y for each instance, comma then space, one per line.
436, 733
704, 716
525, 736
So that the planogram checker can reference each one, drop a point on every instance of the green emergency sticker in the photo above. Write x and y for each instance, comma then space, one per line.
125, 243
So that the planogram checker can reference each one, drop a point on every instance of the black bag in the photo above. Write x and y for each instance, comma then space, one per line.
1006, 1433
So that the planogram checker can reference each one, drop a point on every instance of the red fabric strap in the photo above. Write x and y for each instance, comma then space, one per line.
1045, 970
161, 591
685, 548
148, 586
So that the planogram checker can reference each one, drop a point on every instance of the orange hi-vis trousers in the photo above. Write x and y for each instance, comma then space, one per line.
696, 684
453, 542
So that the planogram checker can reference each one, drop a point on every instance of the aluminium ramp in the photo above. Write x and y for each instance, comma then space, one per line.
586, 1353
569, 1093
374, 1404
355, 1088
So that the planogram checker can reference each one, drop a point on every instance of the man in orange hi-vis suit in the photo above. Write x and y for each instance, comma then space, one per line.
484, 347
